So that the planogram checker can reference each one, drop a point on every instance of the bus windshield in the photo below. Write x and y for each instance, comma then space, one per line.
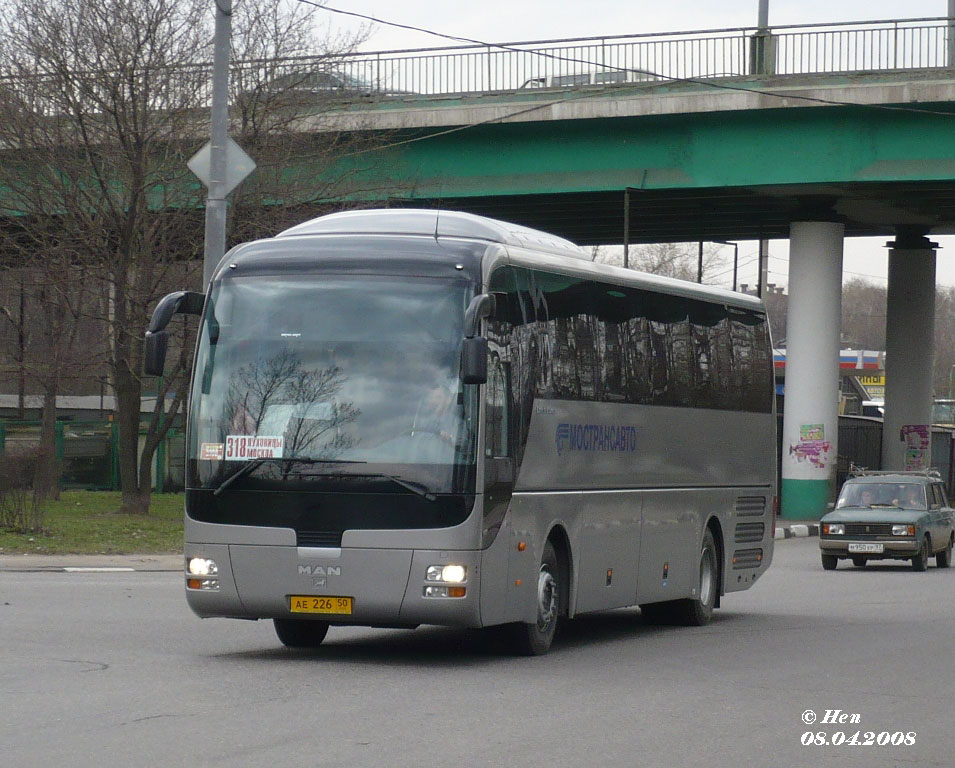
336, 371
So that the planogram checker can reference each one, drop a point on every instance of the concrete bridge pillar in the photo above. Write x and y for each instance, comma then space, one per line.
811, 410
909, 353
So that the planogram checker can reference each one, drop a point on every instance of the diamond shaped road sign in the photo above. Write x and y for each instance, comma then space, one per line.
238, 165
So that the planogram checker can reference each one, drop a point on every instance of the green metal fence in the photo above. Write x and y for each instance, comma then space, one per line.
88, 453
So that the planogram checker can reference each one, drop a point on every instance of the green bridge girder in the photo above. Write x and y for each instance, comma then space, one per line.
700, 175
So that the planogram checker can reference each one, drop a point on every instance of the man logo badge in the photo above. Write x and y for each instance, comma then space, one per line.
320, 573
319, 570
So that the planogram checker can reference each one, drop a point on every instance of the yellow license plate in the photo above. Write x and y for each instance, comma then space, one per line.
319, 604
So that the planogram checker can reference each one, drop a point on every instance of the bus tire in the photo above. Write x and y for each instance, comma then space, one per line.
535, 638
697, 611
299, 633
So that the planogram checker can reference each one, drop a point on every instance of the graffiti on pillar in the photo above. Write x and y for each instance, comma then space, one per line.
917, 441
812, 446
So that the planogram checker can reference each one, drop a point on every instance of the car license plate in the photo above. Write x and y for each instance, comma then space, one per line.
320, 604
859, 547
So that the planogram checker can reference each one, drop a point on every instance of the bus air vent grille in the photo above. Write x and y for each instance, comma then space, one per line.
319, 538
750, 506
747, 558
749, 532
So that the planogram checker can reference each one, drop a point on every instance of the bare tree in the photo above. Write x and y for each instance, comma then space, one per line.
96, 123
291, 81
679, 260
53, 297
101, 104
945, 342
863, 314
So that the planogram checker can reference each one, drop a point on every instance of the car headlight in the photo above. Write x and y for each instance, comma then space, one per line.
903, 530
833, 529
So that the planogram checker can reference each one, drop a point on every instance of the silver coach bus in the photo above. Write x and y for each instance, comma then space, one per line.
404, 417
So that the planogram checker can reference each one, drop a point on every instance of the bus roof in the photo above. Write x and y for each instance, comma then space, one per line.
538, 248
636, 279
434, 223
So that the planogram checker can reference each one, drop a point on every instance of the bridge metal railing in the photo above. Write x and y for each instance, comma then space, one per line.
722, 53
846, 47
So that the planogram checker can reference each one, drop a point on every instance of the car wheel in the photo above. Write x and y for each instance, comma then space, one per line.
944, 558
829, 562
858, 561
920, 561
535, 638
299, 633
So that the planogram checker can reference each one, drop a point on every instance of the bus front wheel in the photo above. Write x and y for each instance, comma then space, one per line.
535, 638
298, 633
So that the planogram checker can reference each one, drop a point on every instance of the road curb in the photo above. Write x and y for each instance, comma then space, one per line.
796, 531
89, 563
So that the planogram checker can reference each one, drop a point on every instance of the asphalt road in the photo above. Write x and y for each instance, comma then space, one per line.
111, 669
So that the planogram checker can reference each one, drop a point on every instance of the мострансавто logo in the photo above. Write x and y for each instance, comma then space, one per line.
596, 437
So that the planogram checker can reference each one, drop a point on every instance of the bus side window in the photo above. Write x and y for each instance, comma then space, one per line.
498, 408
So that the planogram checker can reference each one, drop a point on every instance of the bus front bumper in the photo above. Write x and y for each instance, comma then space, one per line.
382, 587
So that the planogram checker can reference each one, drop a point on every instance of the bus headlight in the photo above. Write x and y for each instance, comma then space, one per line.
202, 566
449, 574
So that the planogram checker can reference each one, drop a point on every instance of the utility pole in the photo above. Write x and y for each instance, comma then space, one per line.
216, 208
763, 44
763, 268
626, 225
951, 33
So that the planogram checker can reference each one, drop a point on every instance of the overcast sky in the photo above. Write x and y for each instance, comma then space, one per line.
516, 20
519, 20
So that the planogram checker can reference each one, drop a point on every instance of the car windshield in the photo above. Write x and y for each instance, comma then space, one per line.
895, 495
333, 370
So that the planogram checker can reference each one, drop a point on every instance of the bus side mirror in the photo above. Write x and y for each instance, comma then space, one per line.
154, 353
157, 340
474, 360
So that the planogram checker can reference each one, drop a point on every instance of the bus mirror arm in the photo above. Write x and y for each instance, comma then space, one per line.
474, 347
157, 340
481, 306
180, 302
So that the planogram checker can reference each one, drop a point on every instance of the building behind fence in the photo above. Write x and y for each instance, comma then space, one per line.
87, 452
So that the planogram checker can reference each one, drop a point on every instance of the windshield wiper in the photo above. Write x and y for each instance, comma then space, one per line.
419, 489
254, 464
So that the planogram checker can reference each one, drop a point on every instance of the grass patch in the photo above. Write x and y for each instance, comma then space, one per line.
86, 522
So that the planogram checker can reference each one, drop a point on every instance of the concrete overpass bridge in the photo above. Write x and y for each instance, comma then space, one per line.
807, 133
725, 134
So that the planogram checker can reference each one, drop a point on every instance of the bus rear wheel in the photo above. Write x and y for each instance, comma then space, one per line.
692, 611
298, 633
535, 638
697, 611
